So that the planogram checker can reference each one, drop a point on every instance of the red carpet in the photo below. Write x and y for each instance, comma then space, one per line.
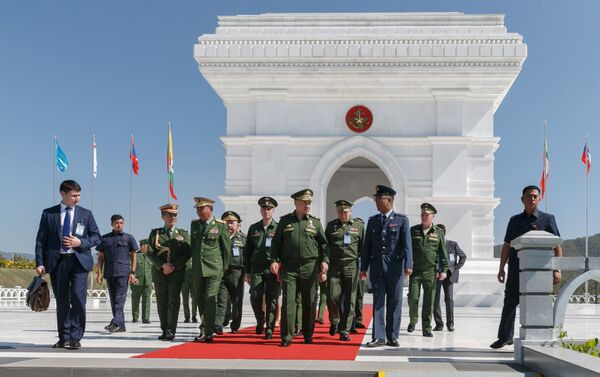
247, 345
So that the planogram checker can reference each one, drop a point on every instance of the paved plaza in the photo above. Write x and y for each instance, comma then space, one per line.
27, 336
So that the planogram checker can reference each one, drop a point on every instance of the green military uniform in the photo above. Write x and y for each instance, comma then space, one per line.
232, 283
300, 245
322, 302
210, 258
345, 245
168, 246
263, 284
188, 291
429, 258
143, 290
358, 306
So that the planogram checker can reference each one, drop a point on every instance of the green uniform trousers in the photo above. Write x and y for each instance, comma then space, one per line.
264, 285
188, 291
143, 292
168, 297
207, 289
292, 284
427, 280
342, 281
358, 306
231, 290
322, 301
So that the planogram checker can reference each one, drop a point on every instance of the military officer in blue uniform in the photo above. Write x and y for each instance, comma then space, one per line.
388, 252
116, 256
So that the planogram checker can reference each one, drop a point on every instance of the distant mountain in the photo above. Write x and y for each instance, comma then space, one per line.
572, 248
7, 255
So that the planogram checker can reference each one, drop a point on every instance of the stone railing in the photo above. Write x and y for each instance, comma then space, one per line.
541, 315
18, 293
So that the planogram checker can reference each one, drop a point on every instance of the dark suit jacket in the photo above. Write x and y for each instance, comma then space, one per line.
456, 259
49, 237
387, 247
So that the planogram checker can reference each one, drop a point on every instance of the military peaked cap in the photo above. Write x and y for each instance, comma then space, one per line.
231, 216
201, 202
305, 194
381, 190
343, 205
267, 201
169, 208
426, 207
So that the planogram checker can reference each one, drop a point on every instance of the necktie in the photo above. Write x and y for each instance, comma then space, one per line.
383, 218
66, 230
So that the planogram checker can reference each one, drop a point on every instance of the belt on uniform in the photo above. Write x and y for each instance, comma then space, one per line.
64, 255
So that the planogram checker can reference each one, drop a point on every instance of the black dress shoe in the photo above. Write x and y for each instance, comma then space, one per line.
218, 330
501, 343
59, 344
73, 345
209, 339
333, 329
162, 336
199, 338
146, 321
376, 343
234, 331
108, 326
353, 331
134, 320
360, 326
169, 335
411, 327
194, 319
225, 323
427, 333
392, 343
345, 337
450, 327
308, 340
268, 335
187, 320
320, 321
285, 343
121, 329
438, 327
259, 329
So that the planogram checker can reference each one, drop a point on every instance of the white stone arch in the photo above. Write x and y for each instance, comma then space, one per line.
348, 149
564, 296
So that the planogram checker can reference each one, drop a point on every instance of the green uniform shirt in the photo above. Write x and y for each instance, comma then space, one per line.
345, 241
143, 269
169, 247
211, 247
429, 249
297, 243
238, 242
258, 243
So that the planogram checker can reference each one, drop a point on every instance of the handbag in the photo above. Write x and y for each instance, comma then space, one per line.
38, 294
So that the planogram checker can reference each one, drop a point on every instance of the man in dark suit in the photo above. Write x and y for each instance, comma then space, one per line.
65, 237
388, 252
456, 259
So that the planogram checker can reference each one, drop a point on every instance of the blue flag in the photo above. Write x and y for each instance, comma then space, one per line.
61, 158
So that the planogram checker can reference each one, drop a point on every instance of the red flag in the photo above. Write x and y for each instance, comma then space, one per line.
170, 164
135, 163
546, 169
586, 157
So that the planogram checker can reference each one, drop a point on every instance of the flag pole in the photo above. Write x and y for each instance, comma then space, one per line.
130, 187
545, 180
587, 173
54, 172
92, 199
168, 162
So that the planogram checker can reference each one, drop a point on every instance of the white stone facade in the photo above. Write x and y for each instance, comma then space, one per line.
432, 81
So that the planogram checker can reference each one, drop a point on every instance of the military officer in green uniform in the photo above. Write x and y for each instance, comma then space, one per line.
211, 250
143, 288
188, 293
323, 291
299, 254
345, 236
263, 284
232, 283
429, 263
169, 252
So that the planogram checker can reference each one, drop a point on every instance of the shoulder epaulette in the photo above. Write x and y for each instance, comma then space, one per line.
220, 221
313, 217
359, 220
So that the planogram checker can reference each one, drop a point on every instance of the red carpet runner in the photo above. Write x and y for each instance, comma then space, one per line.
247, 345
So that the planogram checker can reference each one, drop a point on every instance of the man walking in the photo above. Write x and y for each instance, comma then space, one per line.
345, 236
116, 256
299, 254
430, 263
63, 244
530, 219
388, 252
142, 288
456, 259
263, 283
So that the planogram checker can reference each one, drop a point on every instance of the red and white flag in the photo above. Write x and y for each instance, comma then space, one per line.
545, 170
586, 157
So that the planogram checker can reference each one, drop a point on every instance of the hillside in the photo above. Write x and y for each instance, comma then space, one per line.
10, 278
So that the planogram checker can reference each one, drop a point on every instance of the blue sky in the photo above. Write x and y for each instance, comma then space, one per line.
77, 68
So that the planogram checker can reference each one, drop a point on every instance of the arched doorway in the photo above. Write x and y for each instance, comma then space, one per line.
355, 180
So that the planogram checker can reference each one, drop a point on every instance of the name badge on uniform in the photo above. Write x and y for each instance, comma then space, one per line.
179, 238
347, 239
236, 251
80, 229
268, 241
451, 258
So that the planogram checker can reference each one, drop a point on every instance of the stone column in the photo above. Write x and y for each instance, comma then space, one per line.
535, 252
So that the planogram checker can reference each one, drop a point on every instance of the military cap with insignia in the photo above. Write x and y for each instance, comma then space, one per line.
381, 190
169, 208
231, 216
267, 201
428, 208
343, 205
201, 202
144, 241
305, 194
